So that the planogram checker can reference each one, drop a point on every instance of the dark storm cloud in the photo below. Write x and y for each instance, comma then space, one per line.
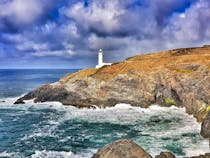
70, 32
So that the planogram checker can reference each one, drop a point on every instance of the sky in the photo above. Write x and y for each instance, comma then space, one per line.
68, 33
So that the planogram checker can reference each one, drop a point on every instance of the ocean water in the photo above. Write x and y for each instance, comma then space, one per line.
52, 130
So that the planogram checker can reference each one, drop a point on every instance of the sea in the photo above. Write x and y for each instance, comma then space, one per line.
51, 130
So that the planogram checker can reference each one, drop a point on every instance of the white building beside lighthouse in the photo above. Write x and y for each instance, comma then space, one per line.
100, 59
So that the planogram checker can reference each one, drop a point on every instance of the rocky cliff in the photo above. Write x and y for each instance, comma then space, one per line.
179, 77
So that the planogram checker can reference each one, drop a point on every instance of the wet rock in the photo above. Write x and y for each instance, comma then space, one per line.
124, 148
165, 155
19, 101
205, 127
207, 155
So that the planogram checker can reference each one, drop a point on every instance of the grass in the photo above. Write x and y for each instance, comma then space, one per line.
170, 101
185, 71
204, 107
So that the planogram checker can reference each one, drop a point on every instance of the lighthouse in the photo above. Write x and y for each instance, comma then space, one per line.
100, 59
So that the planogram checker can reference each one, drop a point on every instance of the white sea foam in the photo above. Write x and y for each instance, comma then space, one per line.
8, 100
5, 154
38, 133
60, 154
121, 113
198, 149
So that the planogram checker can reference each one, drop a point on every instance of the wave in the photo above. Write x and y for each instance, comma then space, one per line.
50, 154
60, 154
198, 149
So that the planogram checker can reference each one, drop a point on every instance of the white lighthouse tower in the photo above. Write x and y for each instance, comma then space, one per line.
100, 59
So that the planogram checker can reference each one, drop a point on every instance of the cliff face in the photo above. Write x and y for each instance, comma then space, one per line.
178, 77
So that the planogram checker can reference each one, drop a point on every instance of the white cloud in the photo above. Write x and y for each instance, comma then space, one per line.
47, 27
100, 15
70, 30
59, 53
21, 11
193, 26
182, 15
30, 45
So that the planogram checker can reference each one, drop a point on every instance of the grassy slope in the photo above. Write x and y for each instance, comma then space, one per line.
174, 60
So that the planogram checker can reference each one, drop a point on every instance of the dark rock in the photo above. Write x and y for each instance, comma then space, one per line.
207, 155
45, 93
182, 51
205, 127
2, 101
124, 148
19, 101
165, 155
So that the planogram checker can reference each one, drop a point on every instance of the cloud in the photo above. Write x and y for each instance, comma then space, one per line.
114, 25
96, 42
31, 46
21, 11
67, 53
100, 16
73, 31
193, 26
17, 15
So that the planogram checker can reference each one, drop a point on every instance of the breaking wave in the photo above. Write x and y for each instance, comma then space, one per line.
53, 130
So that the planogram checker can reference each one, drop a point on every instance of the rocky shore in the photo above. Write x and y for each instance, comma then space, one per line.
126, 148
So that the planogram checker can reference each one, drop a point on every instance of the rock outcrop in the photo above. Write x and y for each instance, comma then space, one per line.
124, 148
207, 155
165, 155
178, 77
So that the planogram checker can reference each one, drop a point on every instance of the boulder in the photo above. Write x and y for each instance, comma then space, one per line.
124, 148
165, 155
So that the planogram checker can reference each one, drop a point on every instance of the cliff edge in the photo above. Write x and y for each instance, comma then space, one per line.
179, 77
